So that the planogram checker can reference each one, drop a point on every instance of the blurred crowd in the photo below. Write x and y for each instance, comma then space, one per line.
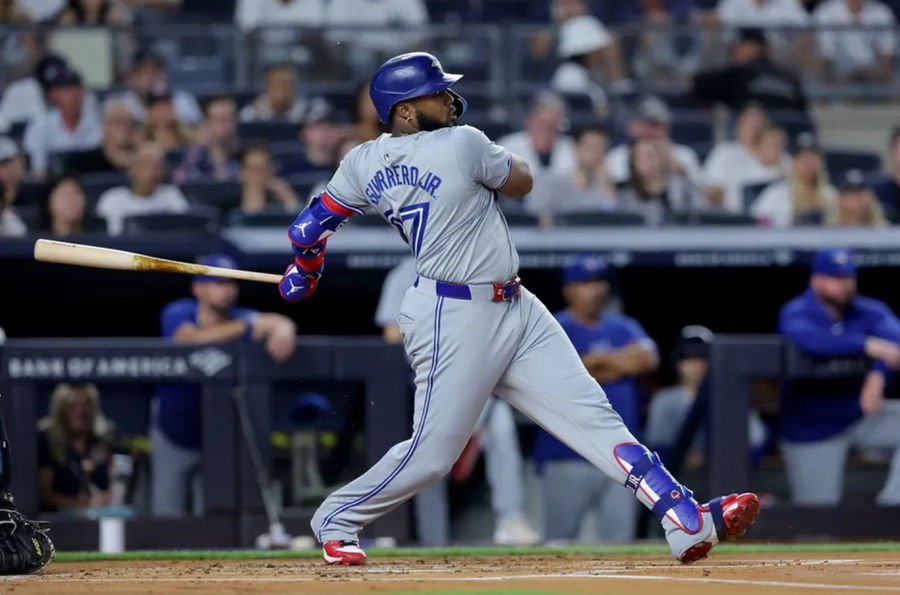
155, 142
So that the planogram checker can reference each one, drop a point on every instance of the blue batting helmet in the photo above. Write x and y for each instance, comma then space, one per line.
408, 76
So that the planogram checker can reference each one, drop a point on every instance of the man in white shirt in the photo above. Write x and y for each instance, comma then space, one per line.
729, 157
651, 120
865, 53
146, 194
391, 16
72, 125
762, 13
541, 144
250, 14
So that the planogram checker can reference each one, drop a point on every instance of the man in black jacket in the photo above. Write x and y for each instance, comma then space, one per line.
752, 76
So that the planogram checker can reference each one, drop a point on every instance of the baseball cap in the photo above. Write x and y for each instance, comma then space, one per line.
834, 262
585, 267
805, 141
694, 341
652, 108
148, 57
8, 148
580, 35
158, 93
215, 260
852, 179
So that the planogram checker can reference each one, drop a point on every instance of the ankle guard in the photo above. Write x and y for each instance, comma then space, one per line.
667, 497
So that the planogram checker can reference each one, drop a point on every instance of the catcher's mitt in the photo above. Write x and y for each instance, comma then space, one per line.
24, 545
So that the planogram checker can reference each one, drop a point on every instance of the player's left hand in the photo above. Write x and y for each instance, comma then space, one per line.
871, 397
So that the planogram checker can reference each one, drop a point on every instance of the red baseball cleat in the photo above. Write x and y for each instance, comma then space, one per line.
731, 516
345, 553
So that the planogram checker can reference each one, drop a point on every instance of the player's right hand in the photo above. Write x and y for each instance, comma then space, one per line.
294, 285
883, 350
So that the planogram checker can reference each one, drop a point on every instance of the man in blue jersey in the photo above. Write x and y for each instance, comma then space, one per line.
615, 350
211, 316
820, 422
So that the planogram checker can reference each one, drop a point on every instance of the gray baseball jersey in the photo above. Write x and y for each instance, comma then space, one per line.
437, 189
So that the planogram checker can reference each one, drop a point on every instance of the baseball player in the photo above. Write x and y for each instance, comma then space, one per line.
470, 329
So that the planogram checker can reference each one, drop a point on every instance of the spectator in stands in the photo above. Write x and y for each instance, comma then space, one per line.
542, 144
616, 351
590, 54
66, 206
212, 316
805, 196
251, 14
162, 127
856, 206
117, 147
752, 76
768, 164
670, 407
764, 14
71, 125
279, 101
392, 17
148, 73
74, 450
651, 120
320, 136
261, 189
666, 53
365, 117
654, 189
23, 93
146, 194
215, 157
865, 53
728, 156
587, 188
12, 172
820, 421
344, 147
887, 188
92, 13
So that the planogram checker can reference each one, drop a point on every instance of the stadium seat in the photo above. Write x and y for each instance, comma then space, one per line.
197, 219
268, 218
691, 128
838, 161
521, 219
589, 218
268, 131
710, 218
199, 75
221, 195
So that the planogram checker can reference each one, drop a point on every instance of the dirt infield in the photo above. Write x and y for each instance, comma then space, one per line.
850, 572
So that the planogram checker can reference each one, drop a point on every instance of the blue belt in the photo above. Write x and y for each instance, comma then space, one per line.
495, 292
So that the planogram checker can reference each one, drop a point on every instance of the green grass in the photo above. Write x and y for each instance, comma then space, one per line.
599, 551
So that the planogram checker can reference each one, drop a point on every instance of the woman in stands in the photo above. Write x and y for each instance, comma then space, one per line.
656, 186
74, 450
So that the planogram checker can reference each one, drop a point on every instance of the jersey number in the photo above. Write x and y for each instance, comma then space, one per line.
417, 217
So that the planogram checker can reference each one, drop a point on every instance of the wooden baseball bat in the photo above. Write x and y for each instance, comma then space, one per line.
108, 258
